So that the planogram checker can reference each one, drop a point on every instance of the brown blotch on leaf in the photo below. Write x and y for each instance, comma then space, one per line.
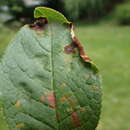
76, 44
71, 101
39, 24
63, 99
76, 121
67, 98
51, 99
69, 49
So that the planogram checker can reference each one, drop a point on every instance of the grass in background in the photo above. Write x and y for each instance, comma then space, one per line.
6, 34
109, 47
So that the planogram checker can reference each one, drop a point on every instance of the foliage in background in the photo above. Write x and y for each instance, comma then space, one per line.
57, 5
19, 9
108, 44
6, 34
13, 7
89, 9
122, 13
74, 9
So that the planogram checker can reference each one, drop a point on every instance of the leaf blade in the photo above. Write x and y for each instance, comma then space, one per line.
38, 79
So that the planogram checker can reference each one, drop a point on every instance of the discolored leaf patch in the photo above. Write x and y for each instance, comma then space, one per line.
75, 120
39, 24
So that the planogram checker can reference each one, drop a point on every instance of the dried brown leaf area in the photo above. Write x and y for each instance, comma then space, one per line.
39, 24
76, 44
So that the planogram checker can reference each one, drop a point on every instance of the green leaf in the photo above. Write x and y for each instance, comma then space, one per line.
45, 84
51, 15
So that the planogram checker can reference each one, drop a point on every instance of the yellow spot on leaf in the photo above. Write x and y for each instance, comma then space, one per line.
70, 109
99, 125
82, 109
18, 104
71, 101
63, 99
95, 88
67, 95
67, 59
20, 125
86, 76
42, 99
63, 85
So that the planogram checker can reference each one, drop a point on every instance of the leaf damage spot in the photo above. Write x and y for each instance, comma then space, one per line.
63, 85
39, 24
41, 129
70, 109
81, 50
95, 88
42, 99
71, 101
76, 44
51, 99
17, 104
68, 59
69, 49
76, 121
20, 125
57, 115
66, 97
82, 109
63, 99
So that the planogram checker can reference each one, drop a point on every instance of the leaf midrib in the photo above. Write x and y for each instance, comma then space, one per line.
52, 72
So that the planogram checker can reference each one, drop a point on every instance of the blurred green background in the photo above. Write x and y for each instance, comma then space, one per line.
103, 28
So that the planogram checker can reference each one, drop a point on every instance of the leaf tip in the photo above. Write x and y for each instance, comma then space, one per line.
50, 14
